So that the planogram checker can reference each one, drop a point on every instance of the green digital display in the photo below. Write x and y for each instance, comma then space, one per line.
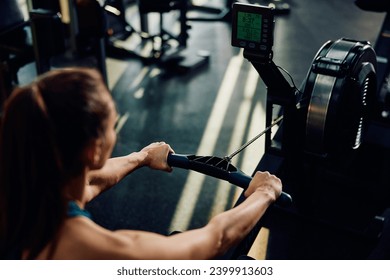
252, 28
249, 26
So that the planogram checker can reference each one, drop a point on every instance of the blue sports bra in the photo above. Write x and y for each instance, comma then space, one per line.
74, 210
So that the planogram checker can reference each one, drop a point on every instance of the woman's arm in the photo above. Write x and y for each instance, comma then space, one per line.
222, 232
230, 227
115, 169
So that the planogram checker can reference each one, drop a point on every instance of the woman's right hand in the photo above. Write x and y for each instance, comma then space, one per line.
266, 183
156, 156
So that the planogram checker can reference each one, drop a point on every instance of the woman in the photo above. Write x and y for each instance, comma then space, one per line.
57, 136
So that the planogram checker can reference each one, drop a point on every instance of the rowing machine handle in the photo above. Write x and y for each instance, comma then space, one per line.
234, 176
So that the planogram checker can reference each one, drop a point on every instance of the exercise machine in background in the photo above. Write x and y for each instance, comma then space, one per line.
83, 34
24, 40
76, 29
223, 11
279, 7
165, 48
207, 12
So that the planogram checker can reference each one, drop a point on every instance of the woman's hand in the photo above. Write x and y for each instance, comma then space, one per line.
266, 183
156, 156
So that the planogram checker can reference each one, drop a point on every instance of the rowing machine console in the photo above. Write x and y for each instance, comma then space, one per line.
253, 28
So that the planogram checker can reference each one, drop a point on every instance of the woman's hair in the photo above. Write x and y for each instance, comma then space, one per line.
45, 128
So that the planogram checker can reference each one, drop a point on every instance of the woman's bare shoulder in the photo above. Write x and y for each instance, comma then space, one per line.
81, 238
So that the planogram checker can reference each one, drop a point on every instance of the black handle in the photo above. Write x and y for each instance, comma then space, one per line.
232, 175
178, 160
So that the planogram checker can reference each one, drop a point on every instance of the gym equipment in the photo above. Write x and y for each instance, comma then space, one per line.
373, 5
221, 168
320, 144
342, 74
382, 49
210, 13
45, 4
23, 41
147, 6
16, 48
382, 110
279, 7
164, 49
46, 23
82, 34
224, 13
89, 30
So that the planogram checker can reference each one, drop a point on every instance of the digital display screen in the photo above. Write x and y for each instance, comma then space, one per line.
252, 28
249, 26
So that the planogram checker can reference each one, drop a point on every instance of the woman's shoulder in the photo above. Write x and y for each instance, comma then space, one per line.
81, 238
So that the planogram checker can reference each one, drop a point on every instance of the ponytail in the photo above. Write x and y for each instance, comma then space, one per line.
30, 173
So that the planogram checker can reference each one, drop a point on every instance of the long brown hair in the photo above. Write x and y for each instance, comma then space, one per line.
44, 129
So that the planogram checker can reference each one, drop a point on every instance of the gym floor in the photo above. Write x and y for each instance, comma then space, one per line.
212, 110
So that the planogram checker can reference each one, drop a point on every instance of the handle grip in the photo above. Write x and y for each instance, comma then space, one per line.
227, 173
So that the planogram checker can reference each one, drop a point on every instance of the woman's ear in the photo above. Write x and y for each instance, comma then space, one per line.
94, 154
